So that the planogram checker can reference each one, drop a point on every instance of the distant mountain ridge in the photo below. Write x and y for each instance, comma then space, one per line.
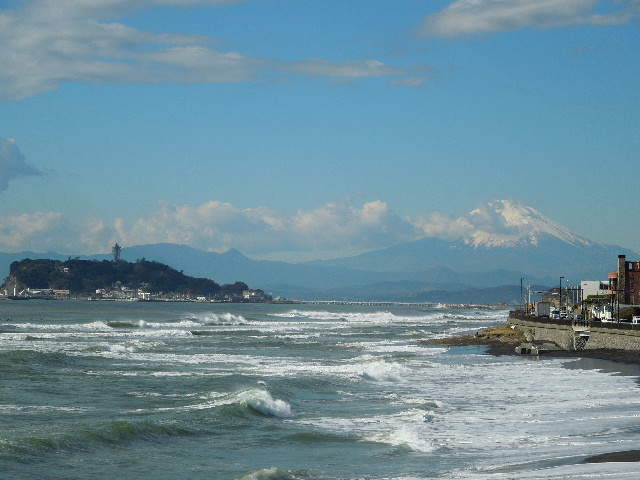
501, 243
502, 235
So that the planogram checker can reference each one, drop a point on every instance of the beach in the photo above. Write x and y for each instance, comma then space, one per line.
502, 340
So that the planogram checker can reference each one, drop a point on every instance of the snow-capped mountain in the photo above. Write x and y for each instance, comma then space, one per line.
506, 223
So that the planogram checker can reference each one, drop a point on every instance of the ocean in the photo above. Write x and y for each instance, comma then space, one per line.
122, 390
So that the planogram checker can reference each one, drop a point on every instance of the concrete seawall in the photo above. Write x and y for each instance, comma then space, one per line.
569, 336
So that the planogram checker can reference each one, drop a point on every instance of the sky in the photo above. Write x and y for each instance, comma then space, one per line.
302, 129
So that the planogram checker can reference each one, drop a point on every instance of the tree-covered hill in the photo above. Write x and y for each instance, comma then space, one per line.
86, 276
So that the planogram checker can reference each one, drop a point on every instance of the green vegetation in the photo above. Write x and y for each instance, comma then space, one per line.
84, 277
503, 333
628, 312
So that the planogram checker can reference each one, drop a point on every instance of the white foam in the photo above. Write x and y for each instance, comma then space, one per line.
384, 372
262, 401
259, 400
372, 318
96, 326
405, 437
265, 474
405, 430
119, 348
213, 318
575, 471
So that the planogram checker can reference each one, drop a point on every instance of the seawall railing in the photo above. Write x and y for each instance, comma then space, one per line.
520, 315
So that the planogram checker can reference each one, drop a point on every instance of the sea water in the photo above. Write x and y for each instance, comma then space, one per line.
104, 390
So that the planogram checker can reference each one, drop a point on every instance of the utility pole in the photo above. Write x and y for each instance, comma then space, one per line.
521, 304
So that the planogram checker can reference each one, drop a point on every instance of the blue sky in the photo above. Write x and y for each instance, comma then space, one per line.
299, 129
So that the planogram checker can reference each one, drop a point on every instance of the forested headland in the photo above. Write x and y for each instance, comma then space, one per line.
87, 277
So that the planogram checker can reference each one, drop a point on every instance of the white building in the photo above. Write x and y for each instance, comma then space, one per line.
594, 287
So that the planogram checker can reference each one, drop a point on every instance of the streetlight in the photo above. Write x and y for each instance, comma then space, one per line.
521, 305
560, 298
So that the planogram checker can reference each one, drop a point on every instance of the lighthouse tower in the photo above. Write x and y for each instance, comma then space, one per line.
116, 252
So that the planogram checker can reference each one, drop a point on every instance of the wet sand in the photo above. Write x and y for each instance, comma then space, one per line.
628, 456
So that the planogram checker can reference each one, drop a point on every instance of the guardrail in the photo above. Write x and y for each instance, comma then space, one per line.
520, 315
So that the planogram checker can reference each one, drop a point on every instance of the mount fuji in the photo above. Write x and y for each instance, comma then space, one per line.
501, 235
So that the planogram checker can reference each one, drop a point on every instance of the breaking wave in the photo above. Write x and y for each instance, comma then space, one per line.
213, 319
385, 317
127, 324
384, 372
271, 474
261, 401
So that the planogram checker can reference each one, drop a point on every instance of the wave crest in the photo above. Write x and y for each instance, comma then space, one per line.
269, 474
384, 372
262, 402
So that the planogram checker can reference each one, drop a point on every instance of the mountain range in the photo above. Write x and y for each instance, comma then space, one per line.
497, 245
501, 235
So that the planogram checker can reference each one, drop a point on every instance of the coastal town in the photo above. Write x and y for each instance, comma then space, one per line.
123, 293
598, 319
604, 323
613, 300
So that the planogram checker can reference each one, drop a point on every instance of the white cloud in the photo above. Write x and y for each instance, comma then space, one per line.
334, 225
355, 69
46, 43
38, 231
477, 17
328, 231
13, 164
217, 226
412, 82
437, 225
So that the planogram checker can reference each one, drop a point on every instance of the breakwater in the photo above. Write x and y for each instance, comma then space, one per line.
570, 335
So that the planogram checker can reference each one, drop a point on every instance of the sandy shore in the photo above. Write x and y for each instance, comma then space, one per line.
503, 340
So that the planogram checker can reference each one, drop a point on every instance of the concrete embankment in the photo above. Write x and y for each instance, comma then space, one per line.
578, 337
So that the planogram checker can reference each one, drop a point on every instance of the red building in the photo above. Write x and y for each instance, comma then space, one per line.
625, 283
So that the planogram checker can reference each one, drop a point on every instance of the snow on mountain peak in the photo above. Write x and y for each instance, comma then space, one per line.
507, 223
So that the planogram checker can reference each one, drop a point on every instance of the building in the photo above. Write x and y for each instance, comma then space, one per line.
254, 296
594, 288
625, 282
